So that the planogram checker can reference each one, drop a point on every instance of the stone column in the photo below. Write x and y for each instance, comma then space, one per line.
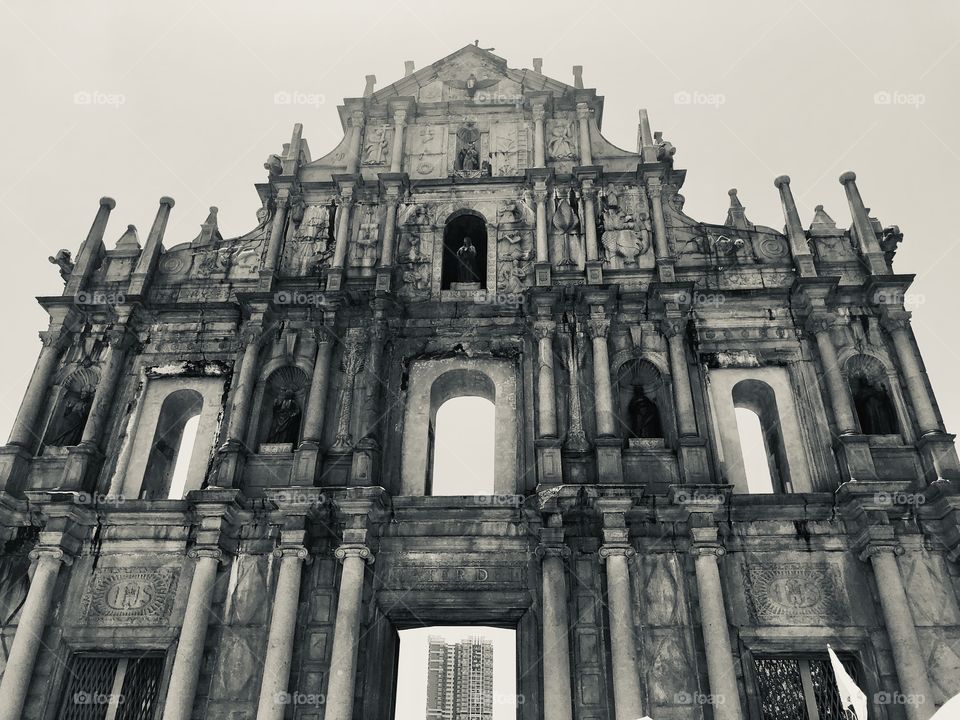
186, 665
119, 339
346, 635
557, 694
716, 635
603, 392
392, 197
583, 120
319, 383
243, 391
86, 257
543, 245
819, 325
343, 227
283, 624
33, 619
799, 249
25, 432
869, 246
623, 648
661, 245
396, 152
539, 113
275, 244
147, 262
353, 152
351, 364
673, 330
904, 643
898, 325
576, 438
590, 220
546, 390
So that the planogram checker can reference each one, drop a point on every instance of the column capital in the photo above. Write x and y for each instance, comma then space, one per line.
400, 117
52, 552
251, 332
52, 338
583, 110
551, 550
120, 336
292, 551
354, 551
283, 197
615, 550
357, 118
654, 187
539, 112
893, 320
598, 327
819, 321
544, 329
705, 549
670, 327
206, 551
880, 548
540, 193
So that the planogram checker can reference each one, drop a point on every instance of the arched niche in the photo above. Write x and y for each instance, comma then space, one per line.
760, 400
432, 383
870, 392
459, 225
70, 406
162, 410
283, 400
643, 401
767, 392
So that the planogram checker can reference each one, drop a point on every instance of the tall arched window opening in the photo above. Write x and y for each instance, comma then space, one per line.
169, 453
464, 263
761, 440
463, 447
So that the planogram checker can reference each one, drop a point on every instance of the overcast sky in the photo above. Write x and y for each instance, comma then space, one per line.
140, 100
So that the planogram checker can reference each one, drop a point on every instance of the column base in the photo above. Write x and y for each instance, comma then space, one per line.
306, 461
609, 460
14, 467
384, 278
938, 456
594, 269
542, 273
549, 462
694, 461
856, 459
229, 465
334, 279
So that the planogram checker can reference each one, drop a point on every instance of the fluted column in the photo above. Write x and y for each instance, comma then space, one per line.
186, 665
346, 635
353, 152
392, 197
319, 384
283, 624
799, 249
869, 246
590, 220
623, 648
243, 391
819, 324
25, 432
546, 390
33, 619
583, 120
555, 650
351, 364
275, 244
661, 245
396, 152
716, 635
343, 227
543, 246
603, 392
904, 643
673, 330
539, 113
898, 325
119, 339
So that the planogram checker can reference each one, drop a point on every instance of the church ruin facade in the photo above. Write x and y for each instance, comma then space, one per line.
474, 234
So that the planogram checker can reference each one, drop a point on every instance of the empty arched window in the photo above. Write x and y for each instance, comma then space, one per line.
170, 453
761, 441
464, 252
282, 406
870, 389
643, 399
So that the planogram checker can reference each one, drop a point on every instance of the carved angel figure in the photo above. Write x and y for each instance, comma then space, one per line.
560, 145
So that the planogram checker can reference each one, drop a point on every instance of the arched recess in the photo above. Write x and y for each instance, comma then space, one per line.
766, 392
432, 383
459, 225
760, 401
164, 407
282, 403
644, 409
70, 407
871, 395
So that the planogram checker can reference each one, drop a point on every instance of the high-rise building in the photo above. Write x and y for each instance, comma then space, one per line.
460, 679
475, 234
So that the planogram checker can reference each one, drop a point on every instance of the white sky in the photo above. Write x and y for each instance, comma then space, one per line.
412, 674
463, 461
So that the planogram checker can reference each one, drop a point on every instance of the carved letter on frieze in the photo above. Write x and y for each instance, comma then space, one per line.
795, 592
129, 596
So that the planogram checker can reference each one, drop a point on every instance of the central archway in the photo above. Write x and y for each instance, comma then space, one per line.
459, 225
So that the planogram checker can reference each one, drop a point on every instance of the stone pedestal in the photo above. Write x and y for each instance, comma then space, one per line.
549, 462
609, 460
856, 457
594, 270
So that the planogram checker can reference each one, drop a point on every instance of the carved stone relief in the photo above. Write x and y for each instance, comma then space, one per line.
129, 596
427, 151
795, 593
626, 232
561, 139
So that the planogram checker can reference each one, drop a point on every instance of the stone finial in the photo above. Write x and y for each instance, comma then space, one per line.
129, 239
780, 181
168, 201
538, 65
108, 202
578, 76
371, 82
848, 177
821, 220
408, 67
736, 214
209, 231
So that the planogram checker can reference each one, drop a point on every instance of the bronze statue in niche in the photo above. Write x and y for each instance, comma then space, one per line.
69, 429
644, 415
285, 420
468, 151
467, 262
874, 409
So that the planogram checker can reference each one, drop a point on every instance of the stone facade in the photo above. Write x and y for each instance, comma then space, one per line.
624, 544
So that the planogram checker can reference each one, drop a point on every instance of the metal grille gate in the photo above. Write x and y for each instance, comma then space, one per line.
111, 687
800, 688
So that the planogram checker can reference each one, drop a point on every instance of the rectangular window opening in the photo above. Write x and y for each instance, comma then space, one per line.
801, 687
457, 672
112, 687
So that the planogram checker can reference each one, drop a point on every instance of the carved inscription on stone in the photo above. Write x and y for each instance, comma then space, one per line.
406, 577
789, 592
129, 596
